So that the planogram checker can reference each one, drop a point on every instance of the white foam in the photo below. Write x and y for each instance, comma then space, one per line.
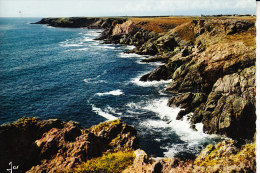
71, 45
82, 49
107, 47
94, 81
134, 112
133, 105
50, 26
114, 93
154, 124
87, 39
137, 81
182, 128
103, 113
93, 33
150, 63
130, 47
130, 55
113, 110
159, 106
47, 26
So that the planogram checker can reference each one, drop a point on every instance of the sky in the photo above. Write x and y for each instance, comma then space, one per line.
68, 8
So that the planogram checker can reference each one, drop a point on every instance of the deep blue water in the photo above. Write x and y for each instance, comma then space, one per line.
63, 73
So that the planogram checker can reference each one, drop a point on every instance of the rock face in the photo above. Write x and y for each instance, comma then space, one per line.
225, 157
143, 163
53, 145
212, 67
230, 106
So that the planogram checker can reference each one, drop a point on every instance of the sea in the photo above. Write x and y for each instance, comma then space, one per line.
64, 73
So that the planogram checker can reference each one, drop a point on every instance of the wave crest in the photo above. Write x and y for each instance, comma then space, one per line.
114, 93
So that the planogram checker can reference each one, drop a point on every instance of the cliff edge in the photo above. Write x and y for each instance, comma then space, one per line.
211, 61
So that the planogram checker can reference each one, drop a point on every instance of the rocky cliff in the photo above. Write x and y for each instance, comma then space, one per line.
211, 61
56, 146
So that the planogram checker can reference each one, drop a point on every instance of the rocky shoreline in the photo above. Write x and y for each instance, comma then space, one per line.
211, 61
56, 146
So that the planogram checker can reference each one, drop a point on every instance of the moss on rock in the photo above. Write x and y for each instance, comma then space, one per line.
108, 163
226, 157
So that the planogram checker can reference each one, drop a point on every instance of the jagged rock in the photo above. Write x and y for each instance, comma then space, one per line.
161, 73
230, 107
164, 72
144, 163
189, 101
148, 48
17, 142
53, 145
117, 134
226, 156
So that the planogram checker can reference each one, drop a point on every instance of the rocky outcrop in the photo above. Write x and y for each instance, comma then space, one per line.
129, 33
144, 163
230, 106
203, 66
225, 157
53, 145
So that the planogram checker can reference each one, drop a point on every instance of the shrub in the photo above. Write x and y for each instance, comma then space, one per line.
108, 163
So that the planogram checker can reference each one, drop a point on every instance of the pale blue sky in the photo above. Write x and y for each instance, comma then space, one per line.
65, 8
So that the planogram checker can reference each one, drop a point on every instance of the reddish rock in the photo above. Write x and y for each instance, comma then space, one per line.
53, 145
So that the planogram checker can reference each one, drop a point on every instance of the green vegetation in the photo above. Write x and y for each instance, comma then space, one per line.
221, 154
246, 154
26, 122
105, 125
108, 163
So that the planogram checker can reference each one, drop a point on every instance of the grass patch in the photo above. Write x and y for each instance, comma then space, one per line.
160, 24
186, 32
247, 37
108, 163
105, 125
26, 121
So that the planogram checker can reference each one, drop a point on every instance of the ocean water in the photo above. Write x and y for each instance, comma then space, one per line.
64, 73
